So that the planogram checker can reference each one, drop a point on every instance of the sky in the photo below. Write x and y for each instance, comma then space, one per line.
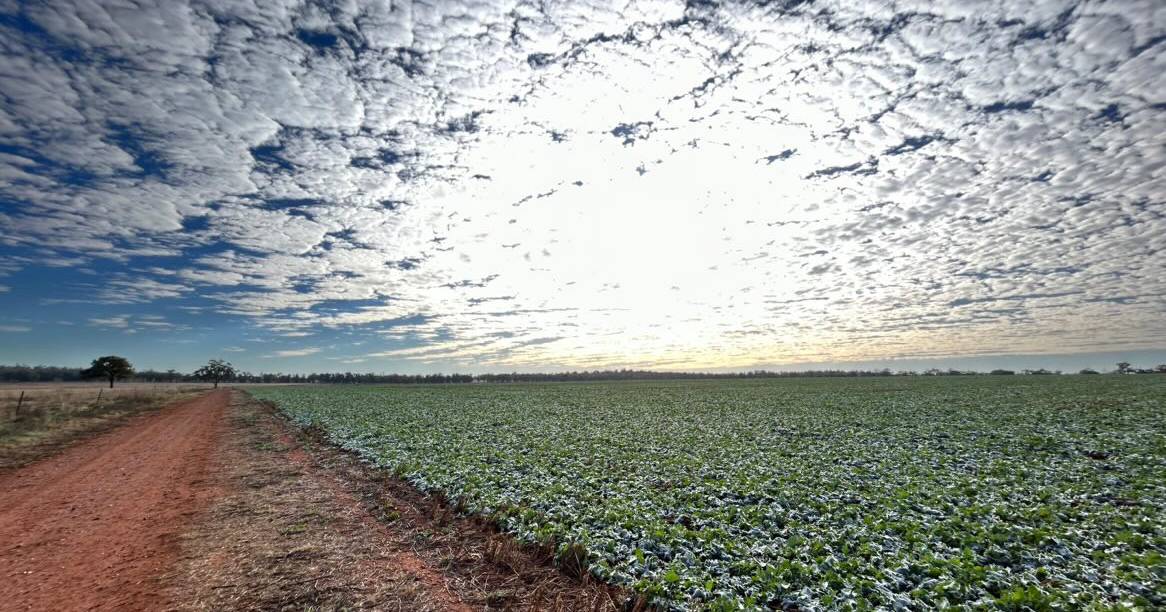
533, 186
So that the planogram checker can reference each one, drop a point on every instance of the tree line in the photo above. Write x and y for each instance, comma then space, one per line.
113, 368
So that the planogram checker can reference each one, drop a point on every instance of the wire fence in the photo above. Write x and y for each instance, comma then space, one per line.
23, 403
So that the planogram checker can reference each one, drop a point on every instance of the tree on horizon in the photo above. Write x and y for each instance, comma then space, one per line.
216, 370
109, 367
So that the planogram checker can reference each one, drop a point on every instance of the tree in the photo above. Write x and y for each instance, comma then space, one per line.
110, 367
216, 370
1123, 367
1088, 371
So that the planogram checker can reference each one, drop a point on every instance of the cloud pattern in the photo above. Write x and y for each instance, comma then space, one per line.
579, 184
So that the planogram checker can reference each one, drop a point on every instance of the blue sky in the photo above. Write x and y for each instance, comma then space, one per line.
496, 186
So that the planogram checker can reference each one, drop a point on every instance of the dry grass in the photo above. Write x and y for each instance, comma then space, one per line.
62, 400
302, 525
51, 416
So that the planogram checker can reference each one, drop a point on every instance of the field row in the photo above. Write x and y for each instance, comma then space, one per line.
812, 494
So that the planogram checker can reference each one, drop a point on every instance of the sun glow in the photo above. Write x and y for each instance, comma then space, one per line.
662, 183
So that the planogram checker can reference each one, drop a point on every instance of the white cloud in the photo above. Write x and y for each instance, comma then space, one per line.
117, 322
585, 185
14, 329
134, 324
304, 352
139, 291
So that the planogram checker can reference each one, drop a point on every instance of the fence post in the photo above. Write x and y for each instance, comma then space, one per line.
99, 398
19, 403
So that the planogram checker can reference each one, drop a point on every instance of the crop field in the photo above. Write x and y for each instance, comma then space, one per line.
907, 493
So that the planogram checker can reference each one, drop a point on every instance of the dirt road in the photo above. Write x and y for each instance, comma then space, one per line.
217, 503
94, 527
301, 525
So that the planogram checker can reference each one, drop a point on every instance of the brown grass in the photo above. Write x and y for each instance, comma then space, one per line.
54, 416
303, 525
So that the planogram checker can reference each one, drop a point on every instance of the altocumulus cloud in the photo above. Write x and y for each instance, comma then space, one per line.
572, 184
304, 352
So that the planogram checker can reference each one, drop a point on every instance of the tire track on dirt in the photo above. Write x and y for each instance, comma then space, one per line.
96, 526
302, 525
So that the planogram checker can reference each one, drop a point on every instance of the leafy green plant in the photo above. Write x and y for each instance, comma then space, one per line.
852, 494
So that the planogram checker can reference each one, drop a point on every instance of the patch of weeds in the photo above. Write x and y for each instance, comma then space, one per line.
499, 597
295, 529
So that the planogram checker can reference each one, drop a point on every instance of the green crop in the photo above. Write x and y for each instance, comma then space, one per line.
972, 492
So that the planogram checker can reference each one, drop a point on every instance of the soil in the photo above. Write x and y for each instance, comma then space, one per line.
94, 527
304, 525
25, 443
217, 503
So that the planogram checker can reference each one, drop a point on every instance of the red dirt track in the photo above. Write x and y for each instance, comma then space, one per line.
96, 526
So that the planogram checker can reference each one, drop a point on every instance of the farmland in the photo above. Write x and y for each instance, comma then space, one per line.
855, 493
38, 419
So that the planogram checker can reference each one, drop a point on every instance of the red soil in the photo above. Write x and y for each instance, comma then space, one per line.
403, 559
96, 526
